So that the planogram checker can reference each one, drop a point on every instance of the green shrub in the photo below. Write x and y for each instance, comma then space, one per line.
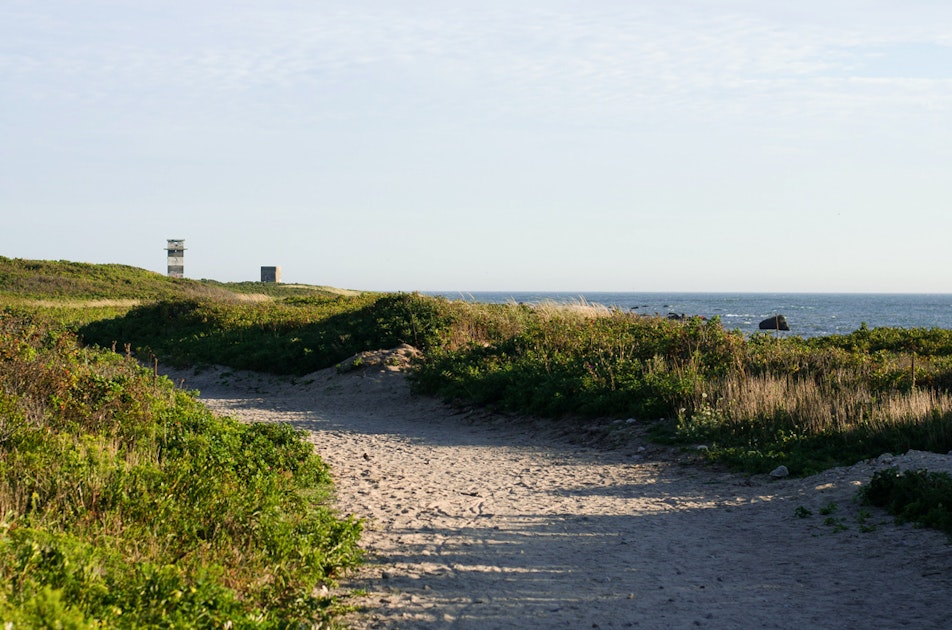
125, 503
755, 401
294, 336
916, 496
585, 364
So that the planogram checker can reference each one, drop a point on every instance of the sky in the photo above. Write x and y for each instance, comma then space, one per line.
517, 145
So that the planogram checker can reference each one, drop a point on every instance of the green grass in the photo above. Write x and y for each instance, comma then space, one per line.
64, 281
124, 503
279, 290
755, 402
76, 284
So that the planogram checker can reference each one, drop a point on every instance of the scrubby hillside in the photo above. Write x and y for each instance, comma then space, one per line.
755, 402
124, 503
65, 282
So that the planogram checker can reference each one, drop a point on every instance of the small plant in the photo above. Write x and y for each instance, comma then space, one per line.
802, 512
829, 508
702, 423
862, 519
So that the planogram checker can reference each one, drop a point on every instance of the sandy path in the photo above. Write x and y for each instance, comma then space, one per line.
473, 523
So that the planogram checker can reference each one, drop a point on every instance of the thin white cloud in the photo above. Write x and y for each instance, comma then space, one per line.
571, 61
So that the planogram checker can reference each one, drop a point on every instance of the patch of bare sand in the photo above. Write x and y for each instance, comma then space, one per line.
475, 521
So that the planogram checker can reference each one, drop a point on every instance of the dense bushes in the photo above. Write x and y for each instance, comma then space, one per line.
125, 503
916, 496
293, 336
584, 361
755, 402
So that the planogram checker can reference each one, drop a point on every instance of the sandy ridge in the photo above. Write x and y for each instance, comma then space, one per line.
480, 522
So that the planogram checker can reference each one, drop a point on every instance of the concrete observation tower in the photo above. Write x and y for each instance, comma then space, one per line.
176, 250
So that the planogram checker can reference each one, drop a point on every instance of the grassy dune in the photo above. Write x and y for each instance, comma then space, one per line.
754, 402
124, 503
65, 283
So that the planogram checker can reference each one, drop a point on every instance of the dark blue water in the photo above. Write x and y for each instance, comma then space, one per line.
808, 314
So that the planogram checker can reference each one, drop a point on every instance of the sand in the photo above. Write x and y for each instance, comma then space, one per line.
476, 520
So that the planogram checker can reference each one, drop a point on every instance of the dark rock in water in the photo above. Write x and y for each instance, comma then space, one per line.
777, 322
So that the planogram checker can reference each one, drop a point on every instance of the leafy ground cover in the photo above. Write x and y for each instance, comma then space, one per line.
290, 336
125, 503
753, 402
916, 496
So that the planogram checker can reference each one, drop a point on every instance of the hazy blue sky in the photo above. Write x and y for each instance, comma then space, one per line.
695, 145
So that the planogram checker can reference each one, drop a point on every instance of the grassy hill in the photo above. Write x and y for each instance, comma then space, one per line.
124, 503
73, 283
756, 402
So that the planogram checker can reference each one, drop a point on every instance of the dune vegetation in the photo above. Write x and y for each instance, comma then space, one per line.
93, 446
124, 503
754, 402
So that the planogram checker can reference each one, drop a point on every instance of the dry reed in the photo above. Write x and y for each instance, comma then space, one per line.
815, 407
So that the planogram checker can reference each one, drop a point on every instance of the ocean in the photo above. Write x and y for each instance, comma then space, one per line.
807, 314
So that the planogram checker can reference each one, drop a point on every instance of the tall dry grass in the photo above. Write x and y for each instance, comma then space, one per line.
814, 406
